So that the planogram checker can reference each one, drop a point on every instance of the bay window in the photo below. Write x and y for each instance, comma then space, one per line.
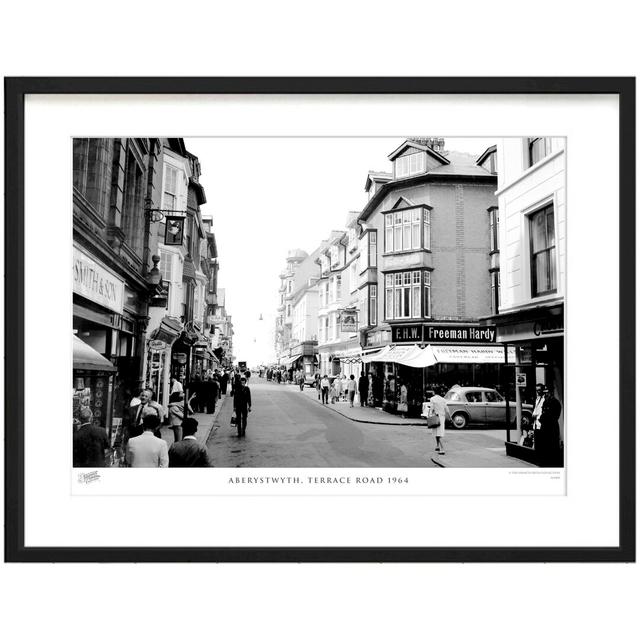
403, 230
494, 228
373, 248
407, 295
373, 304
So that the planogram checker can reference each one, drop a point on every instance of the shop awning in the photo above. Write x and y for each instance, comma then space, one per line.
414, 356
88, 359
289, 361
376, 356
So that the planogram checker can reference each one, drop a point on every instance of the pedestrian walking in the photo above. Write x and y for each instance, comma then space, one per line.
242, 406
324, 387
339, 387
279, 376
175, 385
212, 391
301, 380
317, 385
176, 414
333, 391
145, 450
224, 379
141, 406
363, 389
351, 389
438, 409
370, 390
90, 443
189, 452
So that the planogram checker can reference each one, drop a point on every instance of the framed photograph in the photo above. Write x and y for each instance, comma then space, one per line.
337, 320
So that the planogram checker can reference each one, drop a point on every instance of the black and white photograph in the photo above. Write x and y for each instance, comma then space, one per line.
319, 302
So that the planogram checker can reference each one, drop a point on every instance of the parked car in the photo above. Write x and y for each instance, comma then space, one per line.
479, 405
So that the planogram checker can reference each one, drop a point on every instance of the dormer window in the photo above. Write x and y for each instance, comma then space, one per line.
335, 256
410, 165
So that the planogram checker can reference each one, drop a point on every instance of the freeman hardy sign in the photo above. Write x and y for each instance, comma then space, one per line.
94, 282
443, 333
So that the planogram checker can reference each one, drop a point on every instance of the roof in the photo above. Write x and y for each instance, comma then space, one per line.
485, 154
459, 164
377, 176
415, 145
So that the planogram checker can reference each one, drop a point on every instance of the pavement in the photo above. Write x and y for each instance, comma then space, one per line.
290, 428
205, 424
357, 413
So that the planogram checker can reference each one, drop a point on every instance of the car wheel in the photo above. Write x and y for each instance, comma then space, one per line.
459, 420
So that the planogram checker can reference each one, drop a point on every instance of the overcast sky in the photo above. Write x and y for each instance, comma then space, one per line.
270, 195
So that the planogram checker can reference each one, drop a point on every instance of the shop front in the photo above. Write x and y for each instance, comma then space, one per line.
158, 358
423, 358
537, 337
109, 316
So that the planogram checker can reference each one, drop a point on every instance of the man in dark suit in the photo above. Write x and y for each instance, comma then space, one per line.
242, 406
90, 443
188, 452
212, 389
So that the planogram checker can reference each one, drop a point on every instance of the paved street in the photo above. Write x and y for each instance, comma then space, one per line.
289, 428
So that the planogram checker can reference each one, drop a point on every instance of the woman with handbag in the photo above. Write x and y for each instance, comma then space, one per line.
436, 419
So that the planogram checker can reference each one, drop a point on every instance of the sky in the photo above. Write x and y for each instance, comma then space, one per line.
270, 195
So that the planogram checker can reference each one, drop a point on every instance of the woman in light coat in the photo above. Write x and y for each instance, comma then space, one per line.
337, 383
176, 414
439, 408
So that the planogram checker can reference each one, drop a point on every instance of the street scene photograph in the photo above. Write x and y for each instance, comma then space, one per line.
319, 302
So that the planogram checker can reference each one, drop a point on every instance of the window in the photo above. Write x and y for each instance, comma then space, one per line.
338, 287
335, 256
495, 292
170, 194
402, 230
404, 294
410, 165
537, 148
427, 294
474, 396
373, 248
288, 311
543, 264
92, 171
493, 396
326, 328
132, 214
494, 229
373, 304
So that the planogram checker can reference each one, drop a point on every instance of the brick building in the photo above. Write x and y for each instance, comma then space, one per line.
425, 262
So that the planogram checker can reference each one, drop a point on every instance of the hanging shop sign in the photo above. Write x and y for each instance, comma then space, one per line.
349, 320
180, 358
174, 231
91, 280
157, 345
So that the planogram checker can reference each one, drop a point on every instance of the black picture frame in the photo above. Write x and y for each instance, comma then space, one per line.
15, 91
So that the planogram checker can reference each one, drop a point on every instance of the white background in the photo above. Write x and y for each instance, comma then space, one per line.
318, 601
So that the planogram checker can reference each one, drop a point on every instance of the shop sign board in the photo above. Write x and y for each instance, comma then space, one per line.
443, 334
180, 358
91, 280
157, 345
349, 321
521, 380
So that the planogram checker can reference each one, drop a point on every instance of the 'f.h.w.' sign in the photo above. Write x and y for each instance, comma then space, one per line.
443, 333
